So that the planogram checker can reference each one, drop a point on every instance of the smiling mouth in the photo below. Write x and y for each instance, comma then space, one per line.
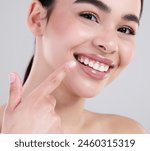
94, 62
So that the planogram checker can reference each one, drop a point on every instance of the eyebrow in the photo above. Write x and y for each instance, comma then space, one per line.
131, 17
102, 6
99, 4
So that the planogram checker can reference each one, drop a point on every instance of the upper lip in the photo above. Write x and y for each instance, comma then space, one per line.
97, 58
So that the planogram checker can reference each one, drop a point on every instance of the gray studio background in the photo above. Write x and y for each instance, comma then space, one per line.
129, 95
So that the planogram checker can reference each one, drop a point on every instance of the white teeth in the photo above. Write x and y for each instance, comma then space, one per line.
86, 61
91, 64
106, 68
101, 68
97, 66
81, 59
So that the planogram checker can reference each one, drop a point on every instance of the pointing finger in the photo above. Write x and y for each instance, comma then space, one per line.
55, 79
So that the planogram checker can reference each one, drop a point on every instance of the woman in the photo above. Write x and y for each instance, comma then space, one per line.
81, 46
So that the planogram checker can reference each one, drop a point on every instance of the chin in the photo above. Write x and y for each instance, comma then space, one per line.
90, 93
84, 91
82, 86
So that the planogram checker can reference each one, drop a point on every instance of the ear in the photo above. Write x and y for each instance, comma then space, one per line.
36, 20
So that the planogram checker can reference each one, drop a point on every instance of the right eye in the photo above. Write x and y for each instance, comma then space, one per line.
90, 16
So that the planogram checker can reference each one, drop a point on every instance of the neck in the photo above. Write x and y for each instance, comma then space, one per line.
69, 108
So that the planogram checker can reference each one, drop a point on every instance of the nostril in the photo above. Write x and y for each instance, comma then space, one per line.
101, 46
106, 49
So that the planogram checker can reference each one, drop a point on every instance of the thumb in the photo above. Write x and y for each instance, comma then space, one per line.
15, 91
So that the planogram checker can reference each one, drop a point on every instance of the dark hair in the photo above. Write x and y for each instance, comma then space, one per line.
142, 3
49, 4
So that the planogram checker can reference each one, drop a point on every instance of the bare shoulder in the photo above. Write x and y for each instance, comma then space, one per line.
2, 107
115, 124
123, 125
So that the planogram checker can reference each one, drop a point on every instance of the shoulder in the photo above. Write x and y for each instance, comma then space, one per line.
2, 107
114, 124
124, 125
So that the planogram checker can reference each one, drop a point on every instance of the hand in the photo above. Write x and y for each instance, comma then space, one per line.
35, 113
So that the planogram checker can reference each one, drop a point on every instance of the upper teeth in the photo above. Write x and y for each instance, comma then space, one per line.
93, 64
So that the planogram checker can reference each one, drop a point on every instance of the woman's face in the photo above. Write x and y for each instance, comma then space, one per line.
98, 35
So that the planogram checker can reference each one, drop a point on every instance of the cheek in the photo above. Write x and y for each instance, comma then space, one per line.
127, 53
69, 32
62, 36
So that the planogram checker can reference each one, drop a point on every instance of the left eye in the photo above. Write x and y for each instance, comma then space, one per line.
90, 16
126, 30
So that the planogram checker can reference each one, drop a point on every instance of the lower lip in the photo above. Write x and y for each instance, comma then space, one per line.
92, 73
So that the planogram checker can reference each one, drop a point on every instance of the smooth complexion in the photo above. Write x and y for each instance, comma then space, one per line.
103, 31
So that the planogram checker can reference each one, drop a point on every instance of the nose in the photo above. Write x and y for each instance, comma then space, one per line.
106, 42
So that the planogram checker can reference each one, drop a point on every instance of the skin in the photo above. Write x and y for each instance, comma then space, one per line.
58, 101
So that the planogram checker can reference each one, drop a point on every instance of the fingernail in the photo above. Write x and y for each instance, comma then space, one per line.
71, 64
12, 78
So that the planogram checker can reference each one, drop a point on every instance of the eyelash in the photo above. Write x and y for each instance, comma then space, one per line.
124, 30
90, 16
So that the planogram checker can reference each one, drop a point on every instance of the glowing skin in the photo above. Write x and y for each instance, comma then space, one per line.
68, 33
76, 27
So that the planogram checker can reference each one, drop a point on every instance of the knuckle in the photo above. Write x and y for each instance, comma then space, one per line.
48, 97
55, 80
7, 108
13, 88
45, 103
50, 100
57, 118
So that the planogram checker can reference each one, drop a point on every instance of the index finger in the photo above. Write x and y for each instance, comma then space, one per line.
54, 79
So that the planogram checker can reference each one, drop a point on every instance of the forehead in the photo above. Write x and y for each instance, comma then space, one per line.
121, 6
